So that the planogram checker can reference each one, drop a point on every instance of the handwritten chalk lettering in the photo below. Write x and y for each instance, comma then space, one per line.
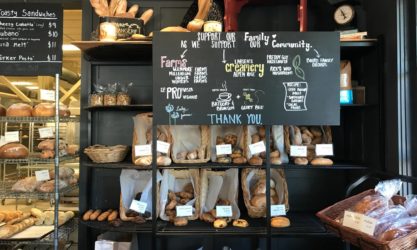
319, 62
255, 41
184, 44
295, 96
241, 69
208, 36
277, 59
177, 92
225, 118
292, 45
222, 45
200, 74
195, 44
254, 118
281, 71
171, 63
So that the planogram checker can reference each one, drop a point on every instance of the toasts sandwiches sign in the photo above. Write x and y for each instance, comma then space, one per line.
30, 39
246, 78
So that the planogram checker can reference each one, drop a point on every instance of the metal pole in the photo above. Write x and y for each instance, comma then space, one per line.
56, 240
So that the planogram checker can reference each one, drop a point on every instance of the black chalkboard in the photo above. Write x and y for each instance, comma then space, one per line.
30, 39
246, 78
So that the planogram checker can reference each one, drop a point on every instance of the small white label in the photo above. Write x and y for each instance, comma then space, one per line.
257, 148
47, 95
143, 150
2, 140
162, 147
359, 222
42, 175
298, 151
46, 133
184, 211
278, 210
324, 149
224, 211
224, 149
138, 206
11, 136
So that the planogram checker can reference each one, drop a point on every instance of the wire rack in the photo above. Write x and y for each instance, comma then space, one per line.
38, 119
33, 160
64, 232
7, 193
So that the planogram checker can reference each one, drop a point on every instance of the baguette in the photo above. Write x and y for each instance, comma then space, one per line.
10, 230
94, 215
87, 214
18, 219
146, 16
103, 216
113, 216
133, 10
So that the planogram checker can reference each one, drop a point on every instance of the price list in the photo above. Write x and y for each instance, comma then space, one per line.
30, 39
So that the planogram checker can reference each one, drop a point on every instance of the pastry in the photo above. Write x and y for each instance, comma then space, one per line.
239, 160
103, 216
300, 161
255, 161
259, 187
240, 223
224, 160
185, 195
208, 217
112, 216
256, 138
306, 139
316, 131
275, 161
322, 161
220, 223
258, 200
19, 109
180, 221
95, 214
192, 155
171, 205
163, 161
13, 151
189, 188
280, 222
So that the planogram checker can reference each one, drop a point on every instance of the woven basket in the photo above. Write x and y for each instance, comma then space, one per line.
187, 174
205, 141
357, 238
311, 149
143, 122
258, 212
106, 154
204, 180
219, 130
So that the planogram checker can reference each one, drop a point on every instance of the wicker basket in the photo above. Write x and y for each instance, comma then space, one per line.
106, 154
222, 130
357, 238
258, 212
205, 142
142, 123
193, 174
204, 180
311, 149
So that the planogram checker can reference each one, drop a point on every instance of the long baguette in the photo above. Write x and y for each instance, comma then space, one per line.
18, 219
10, 230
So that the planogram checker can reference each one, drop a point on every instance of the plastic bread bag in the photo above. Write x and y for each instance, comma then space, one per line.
132, 183
122, 96
387, 218
399, 228
411, 206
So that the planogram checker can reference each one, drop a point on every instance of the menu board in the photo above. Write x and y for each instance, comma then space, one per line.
246, 78
30, 39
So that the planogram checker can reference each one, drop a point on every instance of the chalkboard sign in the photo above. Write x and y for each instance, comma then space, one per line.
246, 78
30, 39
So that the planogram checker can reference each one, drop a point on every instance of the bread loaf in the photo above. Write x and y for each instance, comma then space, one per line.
43, 110
322, 161
10, 230
174, 29
47, 145
13, 151
19, 109
2, 110
47, 154
280, 222
300, 161
28, 184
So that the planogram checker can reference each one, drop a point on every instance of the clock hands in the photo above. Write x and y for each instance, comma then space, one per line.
343, 14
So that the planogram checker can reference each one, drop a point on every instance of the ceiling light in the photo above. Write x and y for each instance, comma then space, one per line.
22, 83
32, 87
69, 47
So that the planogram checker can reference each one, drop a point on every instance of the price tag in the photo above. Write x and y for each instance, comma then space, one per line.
47, 95
46, 133
143, 150
42, 175
324, 149
224, 211
257, 148
224, 149
138, 206
278, 210
11, 136
162, 147
359, 222
298, 151
184, 211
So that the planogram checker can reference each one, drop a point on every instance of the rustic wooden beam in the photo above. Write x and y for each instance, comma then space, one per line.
15, 89
64, 91
71, 91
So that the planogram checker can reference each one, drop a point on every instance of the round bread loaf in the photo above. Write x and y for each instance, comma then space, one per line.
19, 109
44, 109
13, 151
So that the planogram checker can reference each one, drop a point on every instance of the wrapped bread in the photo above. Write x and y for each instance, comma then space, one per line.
28, 184
13, 151
19, 109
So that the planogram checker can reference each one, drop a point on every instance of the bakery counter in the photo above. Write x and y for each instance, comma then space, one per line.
302, 225
256, 228
125, 226
31, 119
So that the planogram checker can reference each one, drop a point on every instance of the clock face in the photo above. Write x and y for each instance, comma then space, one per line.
344, 14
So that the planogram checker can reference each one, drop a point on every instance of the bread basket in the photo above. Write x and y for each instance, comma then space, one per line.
224, 130
364, 241
258, 212
180, 137
106, 154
